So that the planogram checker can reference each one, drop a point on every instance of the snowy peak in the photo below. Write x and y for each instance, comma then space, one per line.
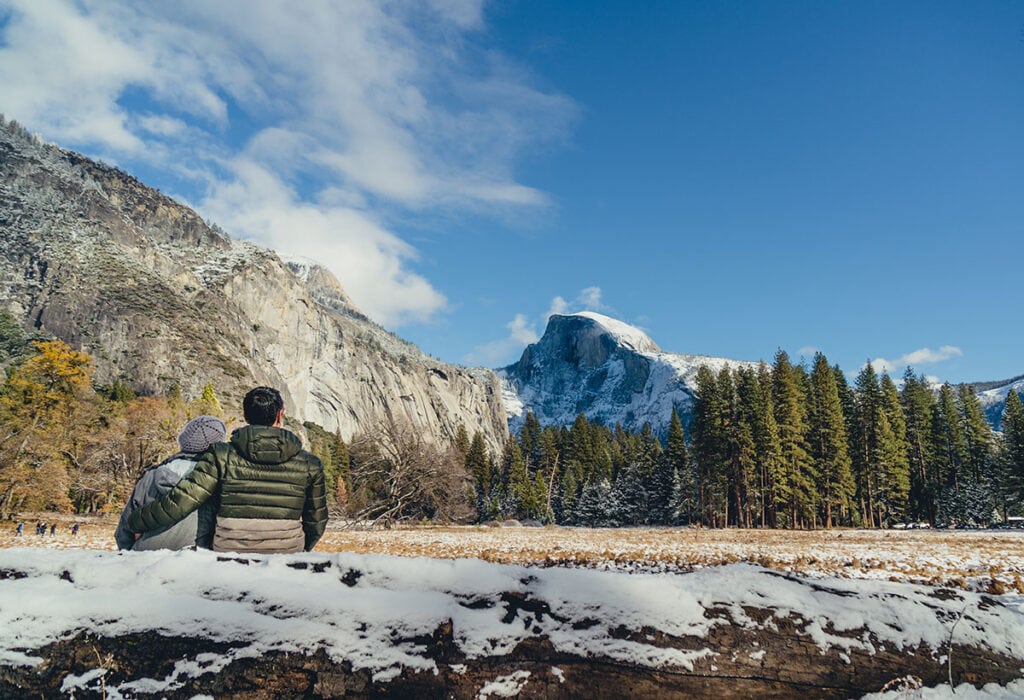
623, 333
608, 370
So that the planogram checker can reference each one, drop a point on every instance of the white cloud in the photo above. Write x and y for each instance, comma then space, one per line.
312, 113
924, 356
364, 255
500, 352
589, 299
807, 351
558, 307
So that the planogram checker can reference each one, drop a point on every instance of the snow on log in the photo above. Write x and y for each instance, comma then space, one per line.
174, 624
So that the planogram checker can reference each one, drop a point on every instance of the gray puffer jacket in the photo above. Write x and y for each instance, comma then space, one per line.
197, 529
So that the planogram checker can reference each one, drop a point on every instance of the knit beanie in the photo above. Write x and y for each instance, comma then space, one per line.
200, 433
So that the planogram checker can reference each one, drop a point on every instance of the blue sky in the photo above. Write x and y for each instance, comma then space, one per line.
733, 177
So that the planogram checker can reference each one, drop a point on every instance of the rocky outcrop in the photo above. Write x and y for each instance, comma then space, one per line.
605, 369
159, 297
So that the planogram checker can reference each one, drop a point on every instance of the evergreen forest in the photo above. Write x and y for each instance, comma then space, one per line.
776, 446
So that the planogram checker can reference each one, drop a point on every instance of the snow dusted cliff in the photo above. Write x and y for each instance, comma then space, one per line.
159, 297
608, 370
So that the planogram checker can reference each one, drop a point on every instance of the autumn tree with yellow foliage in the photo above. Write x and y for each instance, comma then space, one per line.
43, 404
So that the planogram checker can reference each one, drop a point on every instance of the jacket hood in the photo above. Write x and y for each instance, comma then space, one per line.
265, 444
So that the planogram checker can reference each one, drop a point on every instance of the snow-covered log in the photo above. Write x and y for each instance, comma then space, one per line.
163, 624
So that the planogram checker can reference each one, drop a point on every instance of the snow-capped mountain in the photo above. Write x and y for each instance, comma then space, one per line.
608, 370
993, 397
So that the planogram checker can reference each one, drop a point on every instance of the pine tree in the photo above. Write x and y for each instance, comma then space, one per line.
742, 448
1012, 457
918, 404
829, 444
674, 499
895, 486
549, 471
461, 442
530, 440
595, 507
797, 487
478, 464
949, 444
865, 441
977, 434
709, 444
629, 500
518, 489
767, 449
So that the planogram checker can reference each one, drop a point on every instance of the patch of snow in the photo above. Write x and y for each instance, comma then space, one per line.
630, 336
505, 686
993, 691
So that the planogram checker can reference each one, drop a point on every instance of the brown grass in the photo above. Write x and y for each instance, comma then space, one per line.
991, 561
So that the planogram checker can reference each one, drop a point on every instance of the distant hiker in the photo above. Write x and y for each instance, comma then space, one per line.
53, 529
40, 529
158, 480
272, 496
19, 529
74, 530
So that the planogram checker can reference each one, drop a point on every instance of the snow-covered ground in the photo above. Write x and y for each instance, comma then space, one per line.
375, 611
851, 590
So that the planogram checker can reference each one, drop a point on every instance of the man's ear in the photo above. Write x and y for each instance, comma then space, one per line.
280, 419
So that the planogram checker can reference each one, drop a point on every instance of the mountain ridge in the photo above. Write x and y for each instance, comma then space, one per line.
606, 369
160, 298
613, 372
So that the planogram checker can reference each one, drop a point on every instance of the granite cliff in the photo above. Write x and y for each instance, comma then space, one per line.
159, 297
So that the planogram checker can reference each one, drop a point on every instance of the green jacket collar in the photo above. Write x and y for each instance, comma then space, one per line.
266, 444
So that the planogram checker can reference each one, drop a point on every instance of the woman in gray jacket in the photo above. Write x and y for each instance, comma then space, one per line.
197, 529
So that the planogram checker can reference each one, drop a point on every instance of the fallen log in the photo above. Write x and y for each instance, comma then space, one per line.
180, 624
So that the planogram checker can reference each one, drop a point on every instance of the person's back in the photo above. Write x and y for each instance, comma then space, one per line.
270, 493
197, 528
266, 476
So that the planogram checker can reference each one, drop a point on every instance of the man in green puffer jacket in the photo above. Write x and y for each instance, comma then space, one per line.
272, 494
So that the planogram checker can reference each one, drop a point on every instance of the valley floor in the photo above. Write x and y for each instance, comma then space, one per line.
990, 561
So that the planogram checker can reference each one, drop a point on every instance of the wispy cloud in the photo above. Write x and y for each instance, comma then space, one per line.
924, 356
589, 299
807, 351
500, 352
323, 120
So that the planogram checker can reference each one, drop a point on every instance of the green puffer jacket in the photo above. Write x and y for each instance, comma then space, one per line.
272, 494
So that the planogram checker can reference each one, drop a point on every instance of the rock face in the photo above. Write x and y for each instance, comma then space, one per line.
608, 370
159, 297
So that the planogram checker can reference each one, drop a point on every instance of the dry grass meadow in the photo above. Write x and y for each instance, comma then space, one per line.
986, 560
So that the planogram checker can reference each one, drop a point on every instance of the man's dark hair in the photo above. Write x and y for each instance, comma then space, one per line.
261, 406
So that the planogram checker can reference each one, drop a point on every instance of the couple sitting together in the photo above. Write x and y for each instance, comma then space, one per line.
260, 492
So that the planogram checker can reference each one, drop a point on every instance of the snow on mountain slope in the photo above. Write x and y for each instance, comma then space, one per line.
993, 398
608, 370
